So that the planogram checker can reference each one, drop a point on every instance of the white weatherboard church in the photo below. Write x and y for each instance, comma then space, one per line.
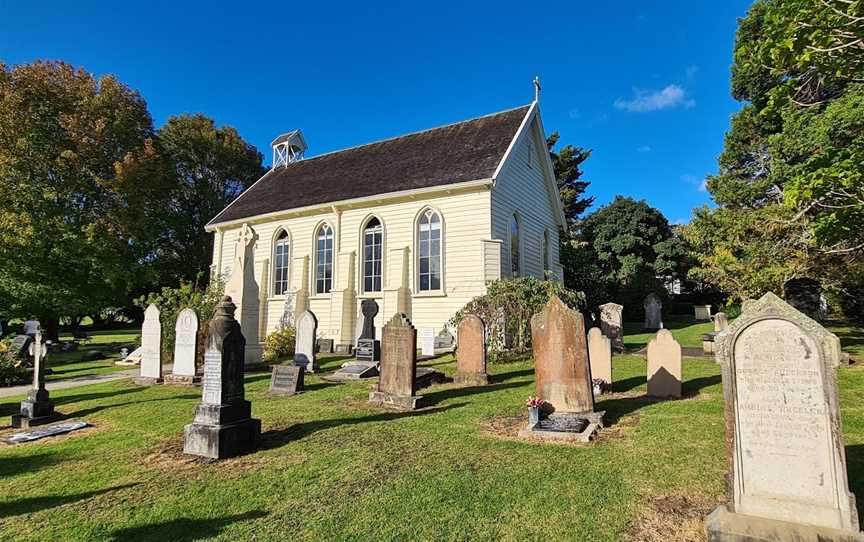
420, 223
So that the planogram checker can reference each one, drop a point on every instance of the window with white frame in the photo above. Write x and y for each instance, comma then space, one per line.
324, 259
373, 238
281, 260
515, 256
429, 252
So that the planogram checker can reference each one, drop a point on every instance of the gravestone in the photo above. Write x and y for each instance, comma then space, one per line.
600, 356
471, 352
610, 324
444, 339
562, 375
287, 318
784, 439
702, 313
20, 348
185, 347
368, 348
664, 365
325, 346
805, 295
653, 312
304, 350
721, 322
427, 341
151, 345
398, 383
223, 426
286, 380
38, 408
50, 431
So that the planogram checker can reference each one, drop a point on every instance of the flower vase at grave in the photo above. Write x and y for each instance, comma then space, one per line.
533, 415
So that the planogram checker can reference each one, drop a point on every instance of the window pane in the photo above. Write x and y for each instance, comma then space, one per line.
435, 283
424, 282
424, 265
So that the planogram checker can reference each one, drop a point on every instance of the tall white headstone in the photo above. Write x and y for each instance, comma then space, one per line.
427, 341
304, 349
788, 464
653, 312
151, 344
185, 342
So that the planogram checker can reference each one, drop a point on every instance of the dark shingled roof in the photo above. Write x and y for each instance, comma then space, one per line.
465, 151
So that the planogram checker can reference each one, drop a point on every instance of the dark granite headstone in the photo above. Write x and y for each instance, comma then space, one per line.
368, 349
223, 426
325, 346
20, 346
286, 380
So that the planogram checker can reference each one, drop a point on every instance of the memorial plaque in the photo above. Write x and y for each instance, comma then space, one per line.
49, 431
784, 437
325, 345
286, 380
211, 382
368, 350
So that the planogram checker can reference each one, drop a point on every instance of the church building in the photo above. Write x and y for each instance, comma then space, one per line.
420, 223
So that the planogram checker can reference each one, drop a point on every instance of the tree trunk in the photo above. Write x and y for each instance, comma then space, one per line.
51, 328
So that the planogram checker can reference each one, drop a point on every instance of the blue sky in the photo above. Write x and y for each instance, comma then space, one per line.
643, 84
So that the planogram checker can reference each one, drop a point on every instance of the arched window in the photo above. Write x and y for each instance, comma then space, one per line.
546, 250
429, 251
281, 255
324, 259
373, 238
515, 256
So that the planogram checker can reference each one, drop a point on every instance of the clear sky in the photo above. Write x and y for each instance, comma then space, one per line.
643, 84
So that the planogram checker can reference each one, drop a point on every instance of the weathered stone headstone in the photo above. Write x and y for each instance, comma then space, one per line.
427, 341
471, 352
185, 347
223, 425
20, 347
600, 356
721, 322
444, 339
563, 374
286, 380
653, 312
702, 313
325, 346
397, 386
151, 344
611, 324
664, 365
784, 440
38, 408
805, 295
368, 348
304, 350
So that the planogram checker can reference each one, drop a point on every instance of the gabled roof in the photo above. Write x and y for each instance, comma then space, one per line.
465, 151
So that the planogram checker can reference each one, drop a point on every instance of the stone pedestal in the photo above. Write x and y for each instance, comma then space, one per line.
223, 426
725, 526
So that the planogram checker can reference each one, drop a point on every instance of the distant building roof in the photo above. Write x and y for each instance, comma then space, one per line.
460, 152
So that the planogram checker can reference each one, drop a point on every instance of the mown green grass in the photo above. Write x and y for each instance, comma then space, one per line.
332, 468
686, 332
70, 365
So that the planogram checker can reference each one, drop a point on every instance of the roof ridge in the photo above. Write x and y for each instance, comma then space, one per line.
409, 134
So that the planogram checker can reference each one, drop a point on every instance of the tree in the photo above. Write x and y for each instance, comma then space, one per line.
629, 249
80, 180
568, 175
789, 184
210, 167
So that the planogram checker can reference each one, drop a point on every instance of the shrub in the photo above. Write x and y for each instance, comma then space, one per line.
10, 375
279, 344
507, 309
173, 300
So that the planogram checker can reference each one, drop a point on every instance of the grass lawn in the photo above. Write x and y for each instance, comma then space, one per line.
686, 331
332, 468
70, 364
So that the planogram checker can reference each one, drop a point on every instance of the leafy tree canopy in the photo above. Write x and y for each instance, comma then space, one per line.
568, 173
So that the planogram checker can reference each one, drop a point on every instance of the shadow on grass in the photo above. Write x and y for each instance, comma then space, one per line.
855, 472
35, 504
277, 438
442, 395
88, 411
13, 407
182, 529
12, 466
617, 408
504, 377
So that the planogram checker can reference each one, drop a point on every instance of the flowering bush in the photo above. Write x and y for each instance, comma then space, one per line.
10, 375
279, 344
534, 402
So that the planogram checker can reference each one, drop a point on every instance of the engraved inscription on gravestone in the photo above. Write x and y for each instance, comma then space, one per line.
286, 380
211, 382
